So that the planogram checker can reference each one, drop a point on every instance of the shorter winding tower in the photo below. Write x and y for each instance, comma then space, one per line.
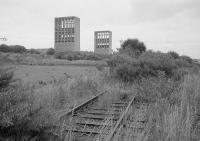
103, 42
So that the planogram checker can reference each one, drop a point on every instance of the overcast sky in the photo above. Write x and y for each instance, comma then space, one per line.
161, 24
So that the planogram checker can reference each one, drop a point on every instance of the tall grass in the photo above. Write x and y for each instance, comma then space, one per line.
178, 122
44, 60
170, 118
26, 111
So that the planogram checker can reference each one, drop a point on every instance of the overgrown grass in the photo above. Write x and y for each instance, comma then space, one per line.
172, 113
26, 111
149, 64
180, 121
45, 60
80, 55
168, 83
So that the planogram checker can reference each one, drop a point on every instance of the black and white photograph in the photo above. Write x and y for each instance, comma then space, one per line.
99, 70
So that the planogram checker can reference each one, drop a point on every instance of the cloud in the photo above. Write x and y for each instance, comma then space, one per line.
31, 22
151, 10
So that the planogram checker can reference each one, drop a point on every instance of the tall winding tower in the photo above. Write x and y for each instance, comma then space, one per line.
67, 34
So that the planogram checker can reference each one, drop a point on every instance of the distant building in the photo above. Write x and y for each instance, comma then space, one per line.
103, 42
67, 34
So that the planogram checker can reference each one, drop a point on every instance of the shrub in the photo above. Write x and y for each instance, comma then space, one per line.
70, 57
116, 60
178, 122
152, 89
93, 56
149, 64
132, 47
33, 51
6, 77
83, 87
59, 55
100, 67
183, 63
158, 61
26, 112
187, 58
174, 54
50, 51
79, 56
127, 72
13, 49
16, 108
4, 48
18, 49
15, 113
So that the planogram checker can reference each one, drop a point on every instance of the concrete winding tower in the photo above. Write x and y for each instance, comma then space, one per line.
67, 34
103, 42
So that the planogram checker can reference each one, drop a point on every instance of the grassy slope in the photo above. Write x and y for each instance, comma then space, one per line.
51, 73
42, 59
31, 108
174, 118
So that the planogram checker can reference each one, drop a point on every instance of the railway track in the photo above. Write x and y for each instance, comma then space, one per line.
90, 121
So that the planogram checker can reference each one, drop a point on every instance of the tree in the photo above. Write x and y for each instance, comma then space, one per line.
6, 77
186, 58
33, 51
50, 51
12, 48
4, 48
132, 47
18, 49
174, 54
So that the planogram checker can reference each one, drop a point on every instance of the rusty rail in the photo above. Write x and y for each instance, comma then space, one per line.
82, 105
119, 122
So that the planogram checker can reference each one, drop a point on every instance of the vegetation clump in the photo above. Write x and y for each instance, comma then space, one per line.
17, 49
132, 47
133, 62
168, 84
50, 51
13, 49
80, 56
26, 111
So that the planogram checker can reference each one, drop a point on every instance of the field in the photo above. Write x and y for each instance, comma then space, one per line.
43, 60
34, 73
165, 87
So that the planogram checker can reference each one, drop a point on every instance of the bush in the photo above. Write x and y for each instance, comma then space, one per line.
187, 59
33, 51
83, 87
155, 88
158, 61
80, 56
178, 122
15, 107
127, 72
13, 49
4, 48
183, 63
18, 49
26, 113
6, 77
116, 60
15, 113
149, 64
50, 51
60, 55
132, 47
174, 54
